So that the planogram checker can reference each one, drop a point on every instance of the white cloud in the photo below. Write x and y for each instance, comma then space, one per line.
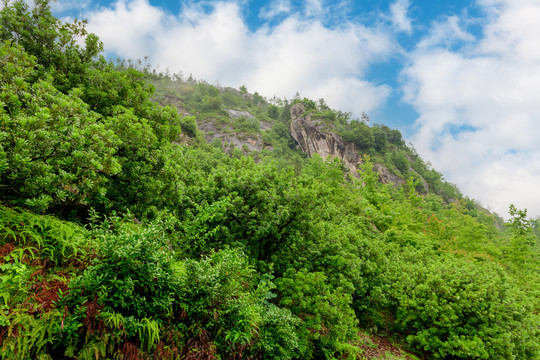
399, 17
479, 106
297, 54
447, 32
314, 8
275, 8
130, 28
61, 6
478, 98
30, 3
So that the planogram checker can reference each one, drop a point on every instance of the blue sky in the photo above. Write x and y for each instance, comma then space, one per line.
460, 79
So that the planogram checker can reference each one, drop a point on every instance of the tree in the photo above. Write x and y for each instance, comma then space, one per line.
523, 239
360, 134
53, 150
55, 45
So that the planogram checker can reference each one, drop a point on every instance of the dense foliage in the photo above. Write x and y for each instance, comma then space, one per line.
123, 235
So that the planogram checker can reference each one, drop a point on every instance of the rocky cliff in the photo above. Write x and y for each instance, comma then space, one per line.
312, 138
231, 138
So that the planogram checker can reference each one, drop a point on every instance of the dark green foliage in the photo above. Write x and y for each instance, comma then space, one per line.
400, 161
273, 112
360, 134
380, 139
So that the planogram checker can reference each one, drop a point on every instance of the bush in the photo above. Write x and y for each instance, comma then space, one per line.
400, 161
360, 134
247, 125
453, 307
328, 320
227, 312
189, 126
132, 274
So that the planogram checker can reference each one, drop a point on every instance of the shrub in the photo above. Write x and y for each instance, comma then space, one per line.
227, 312
400, 161
247, 125
132, 274
453, 307
328, 320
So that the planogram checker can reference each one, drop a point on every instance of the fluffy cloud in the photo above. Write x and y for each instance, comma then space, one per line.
61, 6
298, 54
275, 8
130, 28
399, 17
479, 105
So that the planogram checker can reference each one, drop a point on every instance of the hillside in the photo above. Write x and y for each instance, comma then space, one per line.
147, 216
241, 122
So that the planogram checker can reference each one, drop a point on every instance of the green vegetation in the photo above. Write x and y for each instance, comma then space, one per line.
124, 235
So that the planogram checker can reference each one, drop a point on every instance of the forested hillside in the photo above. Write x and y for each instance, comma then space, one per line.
148, 216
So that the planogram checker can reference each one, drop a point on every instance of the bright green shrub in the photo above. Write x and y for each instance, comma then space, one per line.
278, 334
452, 307
13, 283
53, 151
360, 134
226, 310
328, 322
247, 125
132, 273
400, 161
189, 126
256, 207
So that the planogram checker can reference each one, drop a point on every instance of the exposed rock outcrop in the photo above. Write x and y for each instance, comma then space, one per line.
312, 139
237, 114
385, 176
233, 139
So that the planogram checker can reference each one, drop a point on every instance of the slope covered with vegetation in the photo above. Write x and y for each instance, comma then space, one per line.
123, 235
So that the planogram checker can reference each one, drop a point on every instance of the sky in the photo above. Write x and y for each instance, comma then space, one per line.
460, 79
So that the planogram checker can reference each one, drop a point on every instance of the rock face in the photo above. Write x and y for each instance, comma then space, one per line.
232, 139
237, 114
312, 139
386, 177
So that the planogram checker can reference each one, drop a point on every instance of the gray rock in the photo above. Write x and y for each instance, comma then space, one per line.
237, 114
312, 140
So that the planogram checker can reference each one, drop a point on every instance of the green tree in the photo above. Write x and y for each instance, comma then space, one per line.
54, 151
56, 46
360, 134
523, 240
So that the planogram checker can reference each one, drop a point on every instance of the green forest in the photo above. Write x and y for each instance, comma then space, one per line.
128, 231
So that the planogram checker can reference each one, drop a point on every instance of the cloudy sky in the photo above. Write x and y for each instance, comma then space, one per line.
460, 79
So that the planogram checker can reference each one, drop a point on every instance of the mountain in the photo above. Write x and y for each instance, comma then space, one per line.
229, 226
280, 128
